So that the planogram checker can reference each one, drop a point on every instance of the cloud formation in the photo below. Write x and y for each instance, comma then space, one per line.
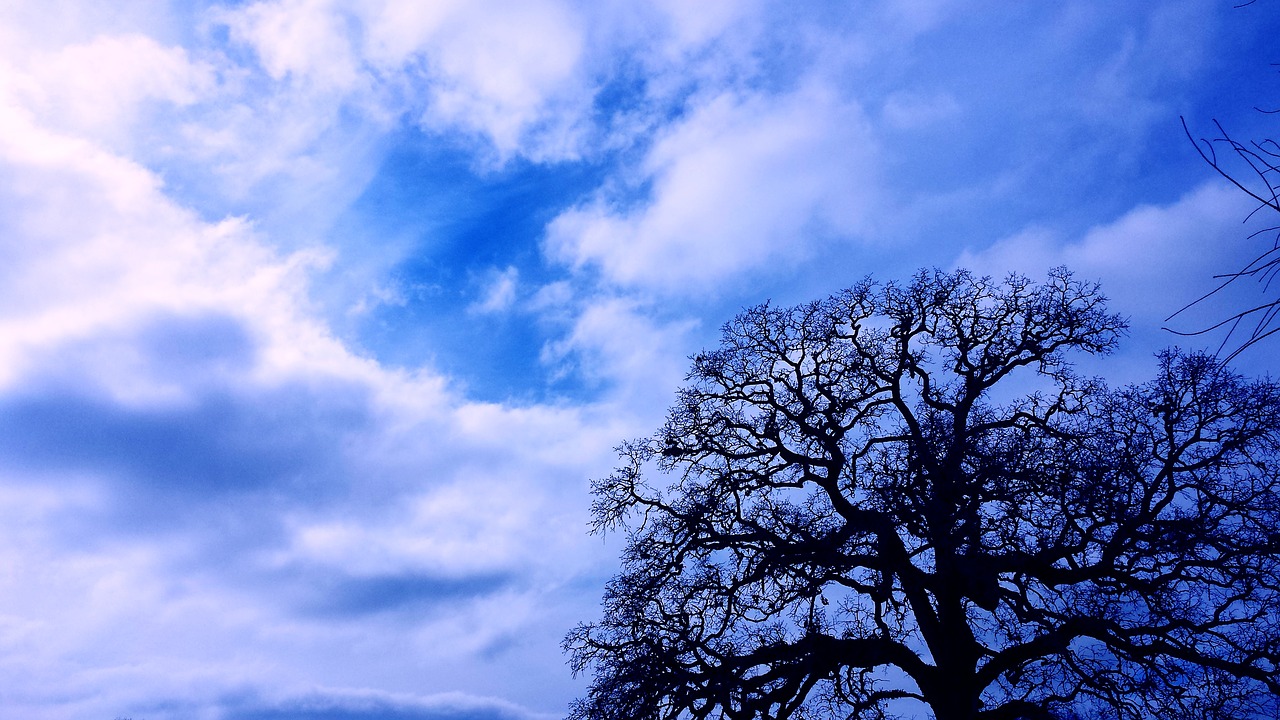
735, 185
258, 262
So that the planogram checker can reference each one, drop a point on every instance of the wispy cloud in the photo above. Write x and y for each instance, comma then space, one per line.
499, 292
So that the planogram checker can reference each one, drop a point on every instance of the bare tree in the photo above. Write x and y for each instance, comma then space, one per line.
902, 499
1254, 168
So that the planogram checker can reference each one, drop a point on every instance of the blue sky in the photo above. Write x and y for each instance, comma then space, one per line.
318, 316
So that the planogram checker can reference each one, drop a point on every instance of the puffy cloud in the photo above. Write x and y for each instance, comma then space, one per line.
512, 72
306, 39
99, 87
508, 73
691, 26
103, 245
740, 184
201, 479
1152, 261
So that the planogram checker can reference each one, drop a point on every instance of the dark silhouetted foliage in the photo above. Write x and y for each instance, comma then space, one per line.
902, 500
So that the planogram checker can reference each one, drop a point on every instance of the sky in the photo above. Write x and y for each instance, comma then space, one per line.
317, 317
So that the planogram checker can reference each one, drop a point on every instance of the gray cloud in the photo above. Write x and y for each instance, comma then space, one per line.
227, 442
353, 596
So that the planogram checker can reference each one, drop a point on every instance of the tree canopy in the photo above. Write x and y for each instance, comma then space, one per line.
904, 499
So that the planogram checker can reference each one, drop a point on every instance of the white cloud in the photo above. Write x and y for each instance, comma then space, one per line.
178, 503
617, 341
99, 88
505, 70
28, 27
1151, 261
104, 248
306, 39
499, 293
508, 72
741, 184
685, 44
693, 25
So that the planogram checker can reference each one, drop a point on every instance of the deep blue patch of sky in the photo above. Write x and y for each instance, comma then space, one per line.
463, 226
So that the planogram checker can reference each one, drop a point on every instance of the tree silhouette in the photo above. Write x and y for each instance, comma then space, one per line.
902, 499
1254, 168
